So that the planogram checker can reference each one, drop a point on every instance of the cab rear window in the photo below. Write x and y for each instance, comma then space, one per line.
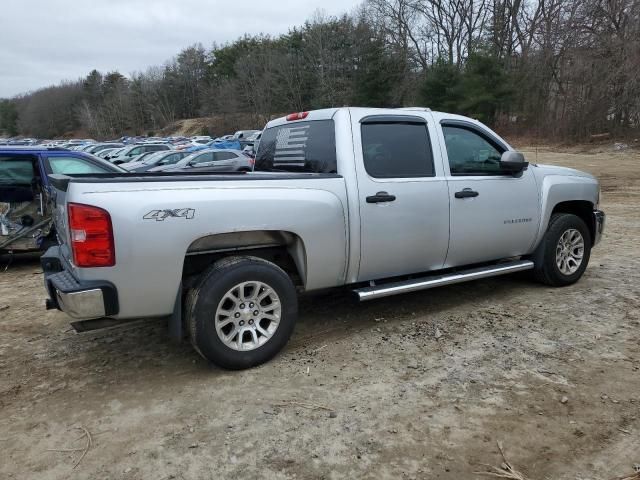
298, 147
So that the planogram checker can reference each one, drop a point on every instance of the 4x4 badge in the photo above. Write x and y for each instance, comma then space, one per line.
160, 215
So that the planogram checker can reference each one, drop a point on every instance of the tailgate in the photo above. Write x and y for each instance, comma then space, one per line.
68, 291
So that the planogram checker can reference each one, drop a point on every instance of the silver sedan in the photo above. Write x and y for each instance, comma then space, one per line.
213, 160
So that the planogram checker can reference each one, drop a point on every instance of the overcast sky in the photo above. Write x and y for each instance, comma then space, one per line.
45, 41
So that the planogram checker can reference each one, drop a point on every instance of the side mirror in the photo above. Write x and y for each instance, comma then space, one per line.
513, 162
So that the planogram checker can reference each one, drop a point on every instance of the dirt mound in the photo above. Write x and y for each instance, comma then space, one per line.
217, 125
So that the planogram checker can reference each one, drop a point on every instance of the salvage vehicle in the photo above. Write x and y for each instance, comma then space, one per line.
25, 218
379, 201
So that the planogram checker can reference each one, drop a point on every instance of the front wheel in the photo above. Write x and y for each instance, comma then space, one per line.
563, 255
242, 312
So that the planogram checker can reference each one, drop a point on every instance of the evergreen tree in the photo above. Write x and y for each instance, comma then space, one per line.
441, 89
485, 88
8, 118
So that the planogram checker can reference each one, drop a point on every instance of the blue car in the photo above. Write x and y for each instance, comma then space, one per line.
217, 144
25, 215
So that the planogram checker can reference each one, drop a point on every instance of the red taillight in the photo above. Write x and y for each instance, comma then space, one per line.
91, 236
297, 116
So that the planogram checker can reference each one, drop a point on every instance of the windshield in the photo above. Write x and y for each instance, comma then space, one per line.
154, 157
188, 158
117, 151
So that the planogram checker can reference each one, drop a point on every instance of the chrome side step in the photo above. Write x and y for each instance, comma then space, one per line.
425, 283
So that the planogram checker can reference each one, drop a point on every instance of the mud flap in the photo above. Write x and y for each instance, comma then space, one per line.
176, 331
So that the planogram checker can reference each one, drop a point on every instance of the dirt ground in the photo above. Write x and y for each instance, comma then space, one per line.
417, 386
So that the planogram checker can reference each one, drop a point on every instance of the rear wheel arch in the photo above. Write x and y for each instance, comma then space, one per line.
283, 248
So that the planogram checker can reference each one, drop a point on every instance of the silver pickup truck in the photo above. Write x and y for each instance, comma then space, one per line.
382, 201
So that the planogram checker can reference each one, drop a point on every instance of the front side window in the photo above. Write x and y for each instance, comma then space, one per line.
471, 153
397, 150
73, 165
298, 147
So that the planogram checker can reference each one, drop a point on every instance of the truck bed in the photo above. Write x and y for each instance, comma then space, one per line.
308, 210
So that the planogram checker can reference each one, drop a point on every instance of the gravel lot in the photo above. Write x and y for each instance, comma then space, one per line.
418, 386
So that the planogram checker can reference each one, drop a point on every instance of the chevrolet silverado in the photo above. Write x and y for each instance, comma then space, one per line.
381, 201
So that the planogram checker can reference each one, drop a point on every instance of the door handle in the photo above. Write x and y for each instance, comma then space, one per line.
381, 197
467, 193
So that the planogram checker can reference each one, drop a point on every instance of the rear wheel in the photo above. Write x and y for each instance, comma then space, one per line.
563, 255
242, 312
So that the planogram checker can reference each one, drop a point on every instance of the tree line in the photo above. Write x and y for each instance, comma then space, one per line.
562, 69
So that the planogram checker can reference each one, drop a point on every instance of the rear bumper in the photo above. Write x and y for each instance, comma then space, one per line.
79, 299
599, 219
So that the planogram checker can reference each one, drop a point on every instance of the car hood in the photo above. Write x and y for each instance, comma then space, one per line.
555, 170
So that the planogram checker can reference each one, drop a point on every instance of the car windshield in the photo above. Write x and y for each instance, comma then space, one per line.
117, 152
156, 156
188, 158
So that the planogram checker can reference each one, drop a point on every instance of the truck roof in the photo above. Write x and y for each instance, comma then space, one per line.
329, 113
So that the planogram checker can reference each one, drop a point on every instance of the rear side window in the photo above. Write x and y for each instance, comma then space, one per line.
397, 150
16, 170
298, 147
225, 156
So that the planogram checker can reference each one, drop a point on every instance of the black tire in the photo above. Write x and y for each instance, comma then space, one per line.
546, 269
202, 303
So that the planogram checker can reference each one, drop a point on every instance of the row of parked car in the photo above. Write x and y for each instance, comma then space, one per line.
143, 154
25, 222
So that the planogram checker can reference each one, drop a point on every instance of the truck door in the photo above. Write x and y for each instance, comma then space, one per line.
494, 214
23, 222
403, 199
